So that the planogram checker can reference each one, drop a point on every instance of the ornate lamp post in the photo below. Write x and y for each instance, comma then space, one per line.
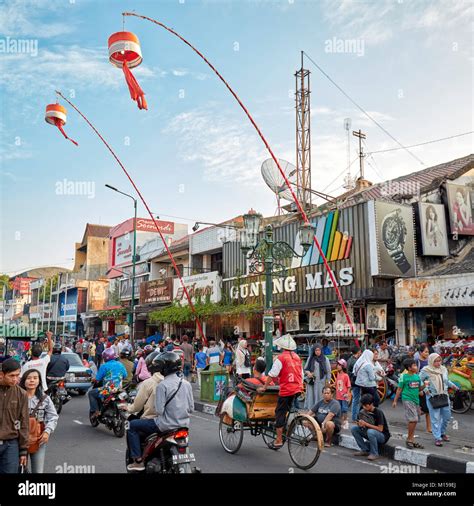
268, 257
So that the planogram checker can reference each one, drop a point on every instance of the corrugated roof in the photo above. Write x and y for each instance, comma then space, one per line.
422, 180
459, 265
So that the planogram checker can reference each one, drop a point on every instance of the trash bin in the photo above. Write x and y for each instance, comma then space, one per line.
213, 382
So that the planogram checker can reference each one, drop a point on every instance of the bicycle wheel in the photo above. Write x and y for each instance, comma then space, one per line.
303, 445
466, 402
382, 389
231, 436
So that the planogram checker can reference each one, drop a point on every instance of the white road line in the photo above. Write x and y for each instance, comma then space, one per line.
78, 421
203, 418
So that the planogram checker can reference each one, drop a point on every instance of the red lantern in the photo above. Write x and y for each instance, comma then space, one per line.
56, 115
125, 53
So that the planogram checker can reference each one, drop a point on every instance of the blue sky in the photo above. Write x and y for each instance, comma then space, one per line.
412, 73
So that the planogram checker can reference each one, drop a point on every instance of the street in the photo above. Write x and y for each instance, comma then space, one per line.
76, 443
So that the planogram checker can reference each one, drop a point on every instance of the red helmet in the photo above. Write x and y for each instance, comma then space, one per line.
109, 354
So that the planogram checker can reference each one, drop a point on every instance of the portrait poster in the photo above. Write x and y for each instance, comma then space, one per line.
341, 320
460, 209
377, 316
292, 320
434, 235
317, 320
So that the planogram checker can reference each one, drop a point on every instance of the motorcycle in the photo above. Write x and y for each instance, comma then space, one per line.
165, 453
58, 393
111, 413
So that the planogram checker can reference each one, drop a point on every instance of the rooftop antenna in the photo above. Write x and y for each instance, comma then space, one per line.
348, 181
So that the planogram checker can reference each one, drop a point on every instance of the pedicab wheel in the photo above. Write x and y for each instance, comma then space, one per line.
231, 435
382, 390
303, 445
466, 398
270, 436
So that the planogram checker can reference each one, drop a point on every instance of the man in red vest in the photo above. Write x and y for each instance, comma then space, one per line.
289, 370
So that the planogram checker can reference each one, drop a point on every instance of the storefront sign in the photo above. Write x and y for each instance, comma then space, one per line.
126, 287
442, 291
22, 285
158, 290
205, 286
68, 307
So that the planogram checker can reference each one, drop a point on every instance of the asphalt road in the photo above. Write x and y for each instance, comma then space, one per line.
76, 443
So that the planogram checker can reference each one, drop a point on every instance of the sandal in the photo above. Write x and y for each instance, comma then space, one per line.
273, 446
418, 445
409, 444
444, 437
438, 442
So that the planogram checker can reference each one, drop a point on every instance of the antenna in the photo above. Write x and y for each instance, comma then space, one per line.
348, 181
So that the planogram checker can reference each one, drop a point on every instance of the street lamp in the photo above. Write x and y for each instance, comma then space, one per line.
267, 257
134, 259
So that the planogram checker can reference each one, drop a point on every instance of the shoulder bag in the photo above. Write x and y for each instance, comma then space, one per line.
440, 400
36, 429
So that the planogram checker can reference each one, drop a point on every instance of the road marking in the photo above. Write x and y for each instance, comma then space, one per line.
203, 418
78, 421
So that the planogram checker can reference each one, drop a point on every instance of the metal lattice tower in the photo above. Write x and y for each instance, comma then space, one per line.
303, 136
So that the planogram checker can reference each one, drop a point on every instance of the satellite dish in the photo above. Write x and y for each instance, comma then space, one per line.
272, 176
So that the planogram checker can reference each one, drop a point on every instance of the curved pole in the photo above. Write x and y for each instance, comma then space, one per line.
298, 205
191, 305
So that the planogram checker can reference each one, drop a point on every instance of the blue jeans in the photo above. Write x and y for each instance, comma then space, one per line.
142, 427
9, 457
187, 369
374, 438
94, 400
37, 460
439, 419
355, 402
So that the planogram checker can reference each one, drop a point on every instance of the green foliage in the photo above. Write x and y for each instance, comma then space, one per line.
181, 314
112, 313
4, 279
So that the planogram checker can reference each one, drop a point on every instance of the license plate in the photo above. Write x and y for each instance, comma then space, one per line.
183, 458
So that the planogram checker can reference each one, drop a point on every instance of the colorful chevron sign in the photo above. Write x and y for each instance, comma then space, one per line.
334, 244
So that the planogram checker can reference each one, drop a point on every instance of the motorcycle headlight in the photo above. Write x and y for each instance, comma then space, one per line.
122, 396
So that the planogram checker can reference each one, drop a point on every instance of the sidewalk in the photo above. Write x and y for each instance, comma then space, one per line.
457, 456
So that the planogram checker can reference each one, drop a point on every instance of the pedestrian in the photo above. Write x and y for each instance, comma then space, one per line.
383, 354
228, 357
327, 412
421, 363
243, 363
325, 348
214, 355
92, 348
436, 381
409, 386
42, 409
78, 348
100, 347
38, 362
288, 369
187, 351
343, 390
201, 361
364, 371
371, 429
317, 373
355, 354
141, 372
14, 419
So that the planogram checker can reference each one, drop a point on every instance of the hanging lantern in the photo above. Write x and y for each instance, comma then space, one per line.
125, 53
56, 115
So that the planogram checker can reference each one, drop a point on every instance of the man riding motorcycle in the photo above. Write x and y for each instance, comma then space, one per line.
58, 365
111, 373
173, 405
144, 403
125, 354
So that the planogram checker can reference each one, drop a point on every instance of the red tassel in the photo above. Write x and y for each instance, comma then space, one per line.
136, 92
59, 124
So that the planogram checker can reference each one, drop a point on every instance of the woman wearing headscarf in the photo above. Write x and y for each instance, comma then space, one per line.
435, 377
317, 373
243, 364
365, 374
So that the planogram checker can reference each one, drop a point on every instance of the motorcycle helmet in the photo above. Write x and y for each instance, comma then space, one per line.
126, 352
139, 353
57, 348
150, 361
167, 363
148, 349
109, 354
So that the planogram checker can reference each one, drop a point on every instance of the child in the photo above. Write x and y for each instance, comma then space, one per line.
343, 390
409, 387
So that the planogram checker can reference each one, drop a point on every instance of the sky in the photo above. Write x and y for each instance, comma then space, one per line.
194, 155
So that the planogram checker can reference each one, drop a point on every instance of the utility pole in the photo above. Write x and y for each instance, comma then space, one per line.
360, 135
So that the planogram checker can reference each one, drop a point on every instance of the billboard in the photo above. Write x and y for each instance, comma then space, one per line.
391, 239
434, 236
68, 307
377, 316
157, 290
206, 286
460, 202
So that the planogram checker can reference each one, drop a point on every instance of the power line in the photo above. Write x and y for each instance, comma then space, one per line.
422, 143
340, 174
362, 110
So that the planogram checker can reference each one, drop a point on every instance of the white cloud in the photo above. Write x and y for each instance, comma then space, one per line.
20, 18
181, 72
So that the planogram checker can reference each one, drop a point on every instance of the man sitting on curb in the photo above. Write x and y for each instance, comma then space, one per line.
327, 412
371, 429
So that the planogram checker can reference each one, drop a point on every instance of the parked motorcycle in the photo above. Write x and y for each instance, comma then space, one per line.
58, 393
166, 453
111, 413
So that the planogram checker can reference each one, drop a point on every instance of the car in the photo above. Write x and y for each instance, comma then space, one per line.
78, 376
